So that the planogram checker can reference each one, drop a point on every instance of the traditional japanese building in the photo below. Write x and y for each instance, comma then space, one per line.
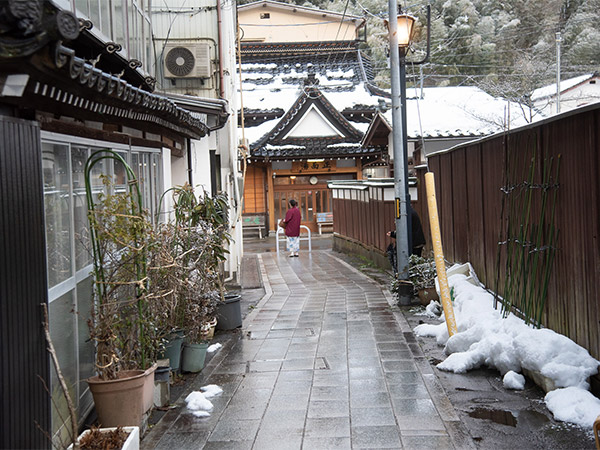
308, 97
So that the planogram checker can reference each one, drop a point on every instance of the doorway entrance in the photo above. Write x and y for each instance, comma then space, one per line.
311, 200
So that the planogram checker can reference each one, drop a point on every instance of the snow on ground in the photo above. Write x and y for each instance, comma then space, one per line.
198, 401
514, 380
214, 347
485, 338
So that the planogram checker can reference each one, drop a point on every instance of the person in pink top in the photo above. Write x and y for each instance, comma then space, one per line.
291, 224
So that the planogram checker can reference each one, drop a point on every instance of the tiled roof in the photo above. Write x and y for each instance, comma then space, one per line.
275, 76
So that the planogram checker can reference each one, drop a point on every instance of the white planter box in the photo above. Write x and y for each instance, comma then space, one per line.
132, 442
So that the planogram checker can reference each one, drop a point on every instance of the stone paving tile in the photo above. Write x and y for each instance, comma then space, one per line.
329, 393
399, 366
368, 417
406, 391
328, 408
170, 441
320, 443
222, 445
426, 442
327, 427
235, 430
265, 366
376, 437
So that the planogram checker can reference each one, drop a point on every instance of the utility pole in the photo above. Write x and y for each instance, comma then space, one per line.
398, 133
558, 41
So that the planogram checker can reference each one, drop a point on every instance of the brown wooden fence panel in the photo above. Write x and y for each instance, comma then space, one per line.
573, 301
459, 204
476, 252
444, 194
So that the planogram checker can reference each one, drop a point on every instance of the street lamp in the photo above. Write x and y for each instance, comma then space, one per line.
400, 28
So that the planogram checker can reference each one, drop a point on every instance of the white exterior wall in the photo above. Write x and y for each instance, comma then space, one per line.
174, 23
580, 95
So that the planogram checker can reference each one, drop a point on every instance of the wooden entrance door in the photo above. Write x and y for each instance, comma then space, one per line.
311, 200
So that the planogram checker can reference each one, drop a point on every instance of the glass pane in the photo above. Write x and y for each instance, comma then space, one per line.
62, 331
86, 346
148, 46
79, 156
95, 12
82, 7
120, 174
157, 185
310, 206
131, 15
277, 206
55, 163
119, 23
105, 18
326, 207
318, 205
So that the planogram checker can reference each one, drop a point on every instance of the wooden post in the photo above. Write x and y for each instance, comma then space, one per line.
436, 239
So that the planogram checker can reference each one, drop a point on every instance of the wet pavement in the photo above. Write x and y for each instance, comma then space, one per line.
324, 360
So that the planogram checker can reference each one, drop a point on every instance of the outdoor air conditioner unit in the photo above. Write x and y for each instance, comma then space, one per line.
187, 60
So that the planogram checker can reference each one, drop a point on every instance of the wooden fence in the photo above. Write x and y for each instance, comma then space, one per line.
471, 181
472, 185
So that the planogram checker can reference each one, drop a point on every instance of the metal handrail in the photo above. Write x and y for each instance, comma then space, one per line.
279, 230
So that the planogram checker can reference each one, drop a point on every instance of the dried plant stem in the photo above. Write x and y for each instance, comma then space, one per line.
61, 378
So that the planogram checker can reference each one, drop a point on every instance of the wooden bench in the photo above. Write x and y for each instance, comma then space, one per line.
324, 219
254, 222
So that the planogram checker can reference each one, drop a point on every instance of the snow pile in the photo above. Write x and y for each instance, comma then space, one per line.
214, 347
514, 380
198, 401
574, 405
484, 338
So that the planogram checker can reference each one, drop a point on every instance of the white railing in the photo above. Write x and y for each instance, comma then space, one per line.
281, 230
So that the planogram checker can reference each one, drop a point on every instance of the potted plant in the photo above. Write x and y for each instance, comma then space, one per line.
191, 247
125, 344
422, 273
121, 438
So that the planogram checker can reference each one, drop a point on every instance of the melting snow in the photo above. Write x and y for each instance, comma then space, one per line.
214, 347
198, 401
484, 338
514, 380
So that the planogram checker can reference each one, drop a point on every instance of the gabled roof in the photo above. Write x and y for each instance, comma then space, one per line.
273, 79
449, 112
294, 8
311, 127
550, 90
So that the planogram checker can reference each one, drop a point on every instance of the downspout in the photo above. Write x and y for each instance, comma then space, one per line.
189, 161
221, 87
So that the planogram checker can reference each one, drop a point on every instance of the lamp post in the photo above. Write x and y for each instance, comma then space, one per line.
400, 32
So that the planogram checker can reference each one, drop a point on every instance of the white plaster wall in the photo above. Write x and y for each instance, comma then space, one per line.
201, 165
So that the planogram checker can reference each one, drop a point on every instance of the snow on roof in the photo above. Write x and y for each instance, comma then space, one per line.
456, 111
550, 90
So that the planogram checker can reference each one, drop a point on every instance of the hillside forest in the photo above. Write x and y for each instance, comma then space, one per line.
506, 47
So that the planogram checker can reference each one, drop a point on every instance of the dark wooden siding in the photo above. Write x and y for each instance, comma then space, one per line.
25, 402
472, 227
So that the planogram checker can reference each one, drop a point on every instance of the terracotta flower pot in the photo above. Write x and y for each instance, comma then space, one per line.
148, 400
119, 402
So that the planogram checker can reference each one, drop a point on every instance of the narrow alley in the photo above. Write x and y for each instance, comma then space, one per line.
323, 362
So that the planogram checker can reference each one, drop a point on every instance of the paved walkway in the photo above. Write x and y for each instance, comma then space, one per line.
324, 362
